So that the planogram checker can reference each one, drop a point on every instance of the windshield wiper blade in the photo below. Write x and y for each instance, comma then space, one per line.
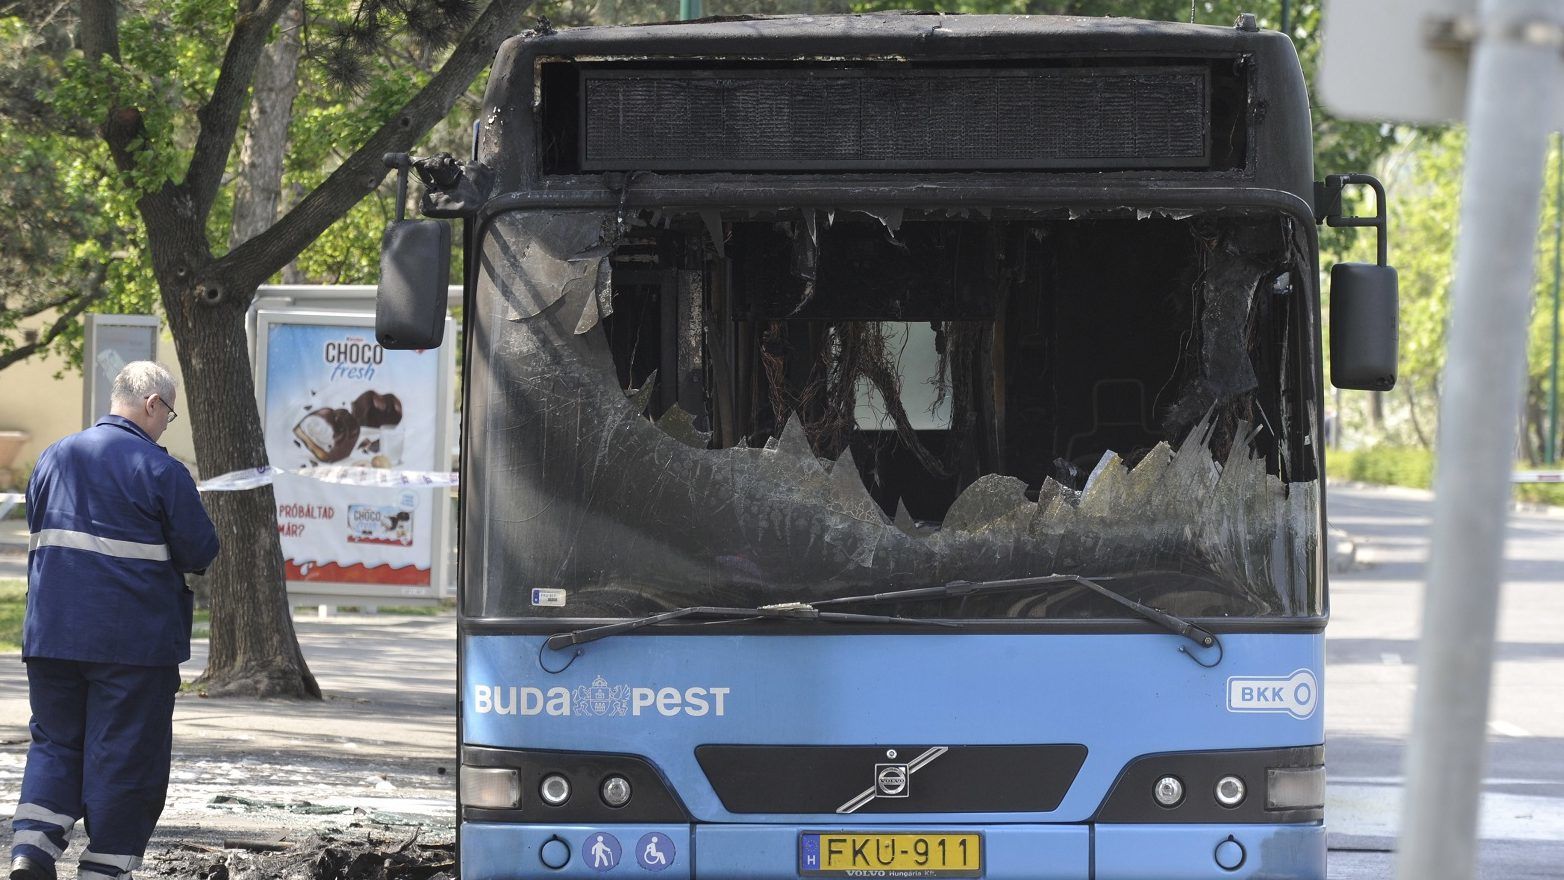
799, 611
1176, 625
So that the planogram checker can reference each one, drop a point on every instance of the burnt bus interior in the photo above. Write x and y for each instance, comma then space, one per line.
843, 399
939, 349
942, 346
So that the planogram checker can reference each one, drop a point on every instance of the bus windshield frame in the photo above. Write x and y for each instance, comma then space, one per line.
555, 286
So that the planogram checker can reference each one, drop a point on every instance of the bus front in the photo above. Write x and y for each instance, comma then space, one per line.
890, 450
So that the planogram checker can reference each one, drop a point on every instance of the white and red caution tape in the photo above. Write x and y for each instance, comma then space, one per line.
237, 481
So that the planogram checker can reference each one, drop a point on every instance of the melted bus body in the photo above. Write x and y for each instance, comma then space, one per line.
892, 449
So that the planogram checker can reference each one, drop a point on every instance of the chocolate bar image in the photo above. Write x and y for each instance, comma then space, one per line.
376, 410
329, 434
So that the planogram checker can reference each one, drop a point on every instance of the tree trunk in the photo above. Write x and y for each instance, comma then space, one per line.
254, 651
1534, 424
1417, 427
259, 186
291, 273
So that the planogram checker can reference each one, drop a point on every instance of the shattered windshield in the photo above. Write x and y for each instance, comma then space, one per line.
728, 409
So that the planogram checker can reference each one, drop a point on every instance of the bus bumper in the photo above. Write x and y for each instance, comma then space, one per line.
494, 851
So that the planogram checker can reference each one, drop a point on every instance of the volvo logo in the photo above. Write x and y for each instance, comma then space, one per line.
892, 780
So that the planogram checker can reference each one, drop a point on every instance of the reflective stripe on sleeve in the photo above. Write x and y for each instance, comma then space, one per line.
37, 839
35, 813
106, 546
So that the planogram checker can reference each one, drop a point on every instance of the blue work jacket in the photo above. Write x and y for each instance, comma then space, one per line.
115, 522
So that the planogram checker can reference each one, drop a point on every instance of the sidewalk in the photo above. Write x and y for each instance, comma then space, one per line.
376, 758
13, 533
13, 548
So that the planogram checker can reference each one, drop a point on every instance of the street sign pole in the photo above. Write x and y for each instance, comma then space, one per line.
1515, 70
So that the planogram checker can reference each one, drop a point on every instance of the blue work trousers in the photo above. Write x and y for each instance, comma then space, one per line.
102, 740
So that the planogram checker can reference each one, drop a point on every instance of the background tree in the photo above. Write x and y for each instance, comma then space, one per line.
65, 246
164, 86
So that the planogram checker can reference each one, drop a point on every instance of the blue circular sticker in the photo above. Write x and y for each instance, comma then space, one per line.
655, 851
601, 851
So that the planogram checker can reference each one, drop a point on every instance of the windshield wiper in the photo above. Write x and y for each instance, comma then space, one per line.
798, 611
1176, 625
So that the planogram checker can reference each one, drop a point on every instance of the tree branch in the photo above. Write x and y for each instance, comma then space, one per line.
39, 308
262, 256
94, 292
219, 116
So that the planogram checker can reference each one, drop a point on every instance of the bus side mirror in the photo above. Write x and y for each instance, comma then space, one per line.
1364, 336
1364, 298
415, 267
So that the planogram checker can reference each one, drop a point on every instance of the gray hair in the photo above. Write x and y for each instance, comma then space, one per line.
140, 380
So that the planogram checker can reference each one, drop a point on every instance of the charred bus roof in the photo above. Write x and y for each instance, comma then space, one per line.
1119, 107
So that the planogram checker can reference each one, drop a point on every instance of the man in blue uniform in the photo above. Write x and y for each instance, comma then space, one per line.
115, 523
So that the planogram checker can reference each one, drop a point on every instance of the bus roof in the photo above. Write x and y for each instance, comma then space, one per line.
1265, 116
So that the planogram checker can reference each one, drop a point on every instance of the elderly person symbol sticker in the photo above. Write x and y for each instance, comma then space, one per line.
655, 851
602, 851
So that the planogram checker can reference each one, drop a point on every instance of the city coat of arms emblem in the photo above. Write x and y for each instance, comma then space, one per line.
600, 699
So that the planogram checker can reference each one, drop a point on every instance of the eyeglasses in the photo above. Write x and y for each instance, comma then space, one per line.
171, 414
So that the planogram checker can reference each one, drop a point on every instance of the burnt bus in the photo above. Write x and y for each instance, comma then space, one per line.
892, 448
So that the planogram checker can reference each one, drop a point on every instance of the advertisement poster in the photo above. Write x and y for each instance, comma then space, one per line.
334, 397
109, 343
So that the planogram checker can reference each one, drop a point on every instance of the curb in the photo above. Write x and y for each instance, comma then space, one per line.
1527, 507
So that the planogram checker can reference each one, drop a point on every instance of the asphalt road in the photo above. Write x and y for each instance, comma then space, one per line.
1371, 665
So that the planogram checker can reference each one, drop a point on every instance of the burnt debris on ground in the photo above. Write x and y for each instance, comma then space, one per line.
346, 854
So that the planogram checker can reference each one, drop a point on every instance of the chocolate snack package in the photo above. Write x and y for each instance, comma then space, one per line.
378, 524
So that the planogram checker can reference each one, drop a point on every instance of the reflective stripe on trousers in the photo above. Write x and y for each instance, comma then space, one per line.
41, 828
107, 865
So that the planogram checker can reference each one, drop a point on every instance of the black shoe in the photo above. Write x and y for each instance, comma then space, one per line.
24, 868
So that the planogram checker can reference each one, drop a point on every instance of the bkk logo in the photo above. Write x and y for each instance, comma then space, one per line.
1295, 694
599, 700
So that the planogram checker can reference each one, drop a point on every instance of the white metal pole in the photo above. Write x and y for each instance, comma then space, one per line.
1515, 70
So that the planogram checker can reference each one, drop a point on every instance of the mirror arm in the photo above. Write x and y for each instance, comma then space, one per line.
401, 163
1327, 207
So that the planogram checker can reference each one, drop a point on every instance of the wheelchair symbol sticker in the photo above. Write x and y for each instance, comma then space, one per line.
655, 851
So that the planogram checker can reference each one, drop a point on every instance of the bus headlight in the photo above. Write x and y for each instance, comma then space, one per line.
616, 791
1230, 791
1168, 791
1294, 788
491, 788
555, 789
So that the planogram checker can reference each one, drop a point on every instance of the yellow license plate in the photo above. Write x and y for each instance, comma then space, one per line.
890, 854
